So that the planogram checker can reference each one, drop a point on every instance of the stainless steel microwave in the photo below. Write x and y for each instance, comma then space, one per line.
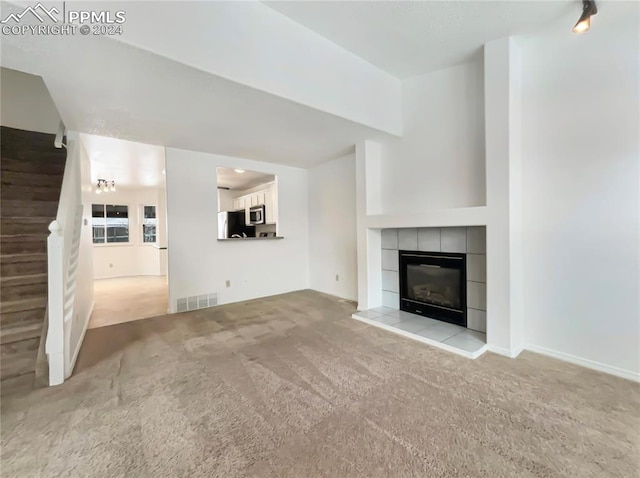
256, 215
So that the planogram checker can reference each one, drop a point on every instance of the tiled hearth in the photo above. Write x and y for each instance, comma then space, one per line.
452, 338
467, 341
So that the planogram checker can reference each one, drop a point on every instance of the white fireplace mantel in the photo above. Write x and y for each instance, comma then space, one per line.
464, 216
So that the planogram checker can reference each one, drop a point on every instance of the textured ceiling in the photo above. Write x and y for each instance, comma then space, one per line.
411, 38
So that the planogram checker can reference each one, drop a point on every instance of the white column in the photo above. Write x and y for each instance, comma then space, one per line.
368, 201
503, 69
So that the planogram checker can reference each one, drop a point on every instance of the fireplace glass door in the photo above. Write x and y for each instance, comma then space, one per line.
434, 285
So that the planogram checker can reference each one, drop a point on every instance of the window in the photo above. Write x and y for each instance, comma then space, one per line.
98, 223
149, 224
110, 222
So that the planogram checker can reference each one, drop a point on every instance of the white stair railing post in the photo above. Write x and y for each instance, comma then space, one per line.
56, 282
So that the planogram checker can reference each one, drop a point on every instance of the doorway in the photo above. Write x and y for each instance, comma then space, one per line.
129, 230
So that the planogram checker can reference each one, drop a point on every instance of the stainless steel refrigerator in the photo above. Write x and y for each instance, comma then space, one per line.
232, 224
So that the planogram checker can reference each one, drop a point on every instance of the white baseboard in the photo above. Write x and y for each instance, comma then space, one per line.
600, 367
513, 353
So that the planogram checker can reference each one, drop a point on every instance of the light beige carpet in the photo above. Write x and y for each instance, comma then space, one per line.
124, 299
291, 386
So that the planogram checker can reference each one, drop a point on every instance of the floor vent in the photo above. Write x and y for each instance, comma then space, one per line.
196, 302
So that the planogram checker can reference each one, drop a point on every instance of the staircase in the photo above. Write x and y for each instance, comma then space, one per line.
31, 171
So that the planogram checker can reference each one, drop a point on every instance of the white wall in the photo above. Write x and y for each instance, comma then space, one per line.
580, 184
271, 53
26, 103
134, 258
200, 264
332, 228
440, 160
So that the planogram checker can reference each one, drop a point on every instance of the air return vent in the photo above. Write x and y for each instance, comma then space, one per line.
182, 305
197, 302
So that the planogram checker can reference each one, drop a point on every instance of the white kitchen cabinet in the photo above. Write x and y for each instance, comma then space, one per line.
268, 197
271, 204
240, 203
268, 208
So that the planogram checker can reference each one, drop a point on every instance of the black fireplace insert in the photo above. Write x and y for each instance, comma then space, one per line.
434, 284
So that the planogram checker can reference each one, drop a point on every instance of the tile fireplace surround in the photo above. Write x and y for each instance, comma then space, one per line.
469, 240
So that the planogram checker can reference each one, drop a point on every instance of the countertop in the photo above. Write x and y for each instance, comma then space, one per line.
251, 238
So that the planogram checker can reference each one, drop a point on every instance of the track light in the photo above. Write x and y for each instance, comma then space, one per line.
584, 22
104, 186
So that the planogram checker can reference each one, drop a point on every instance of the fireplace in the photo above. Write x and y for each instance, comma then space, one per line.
434, 284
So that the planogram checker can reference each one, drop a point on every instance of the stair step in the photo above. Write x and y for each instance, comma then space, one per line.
20, 316
30, 161
18, 178
30, 146
21, 331
23, 243
12, 281
24, 225
22, 287
32, 169
18, 358
21, 305
15, 291
37, 193
23, 264
15, 207
18, 140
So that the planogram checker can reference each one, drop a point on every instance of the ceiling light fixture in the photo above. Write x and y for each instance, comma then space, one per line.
104, 186
239, 171
584, 22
